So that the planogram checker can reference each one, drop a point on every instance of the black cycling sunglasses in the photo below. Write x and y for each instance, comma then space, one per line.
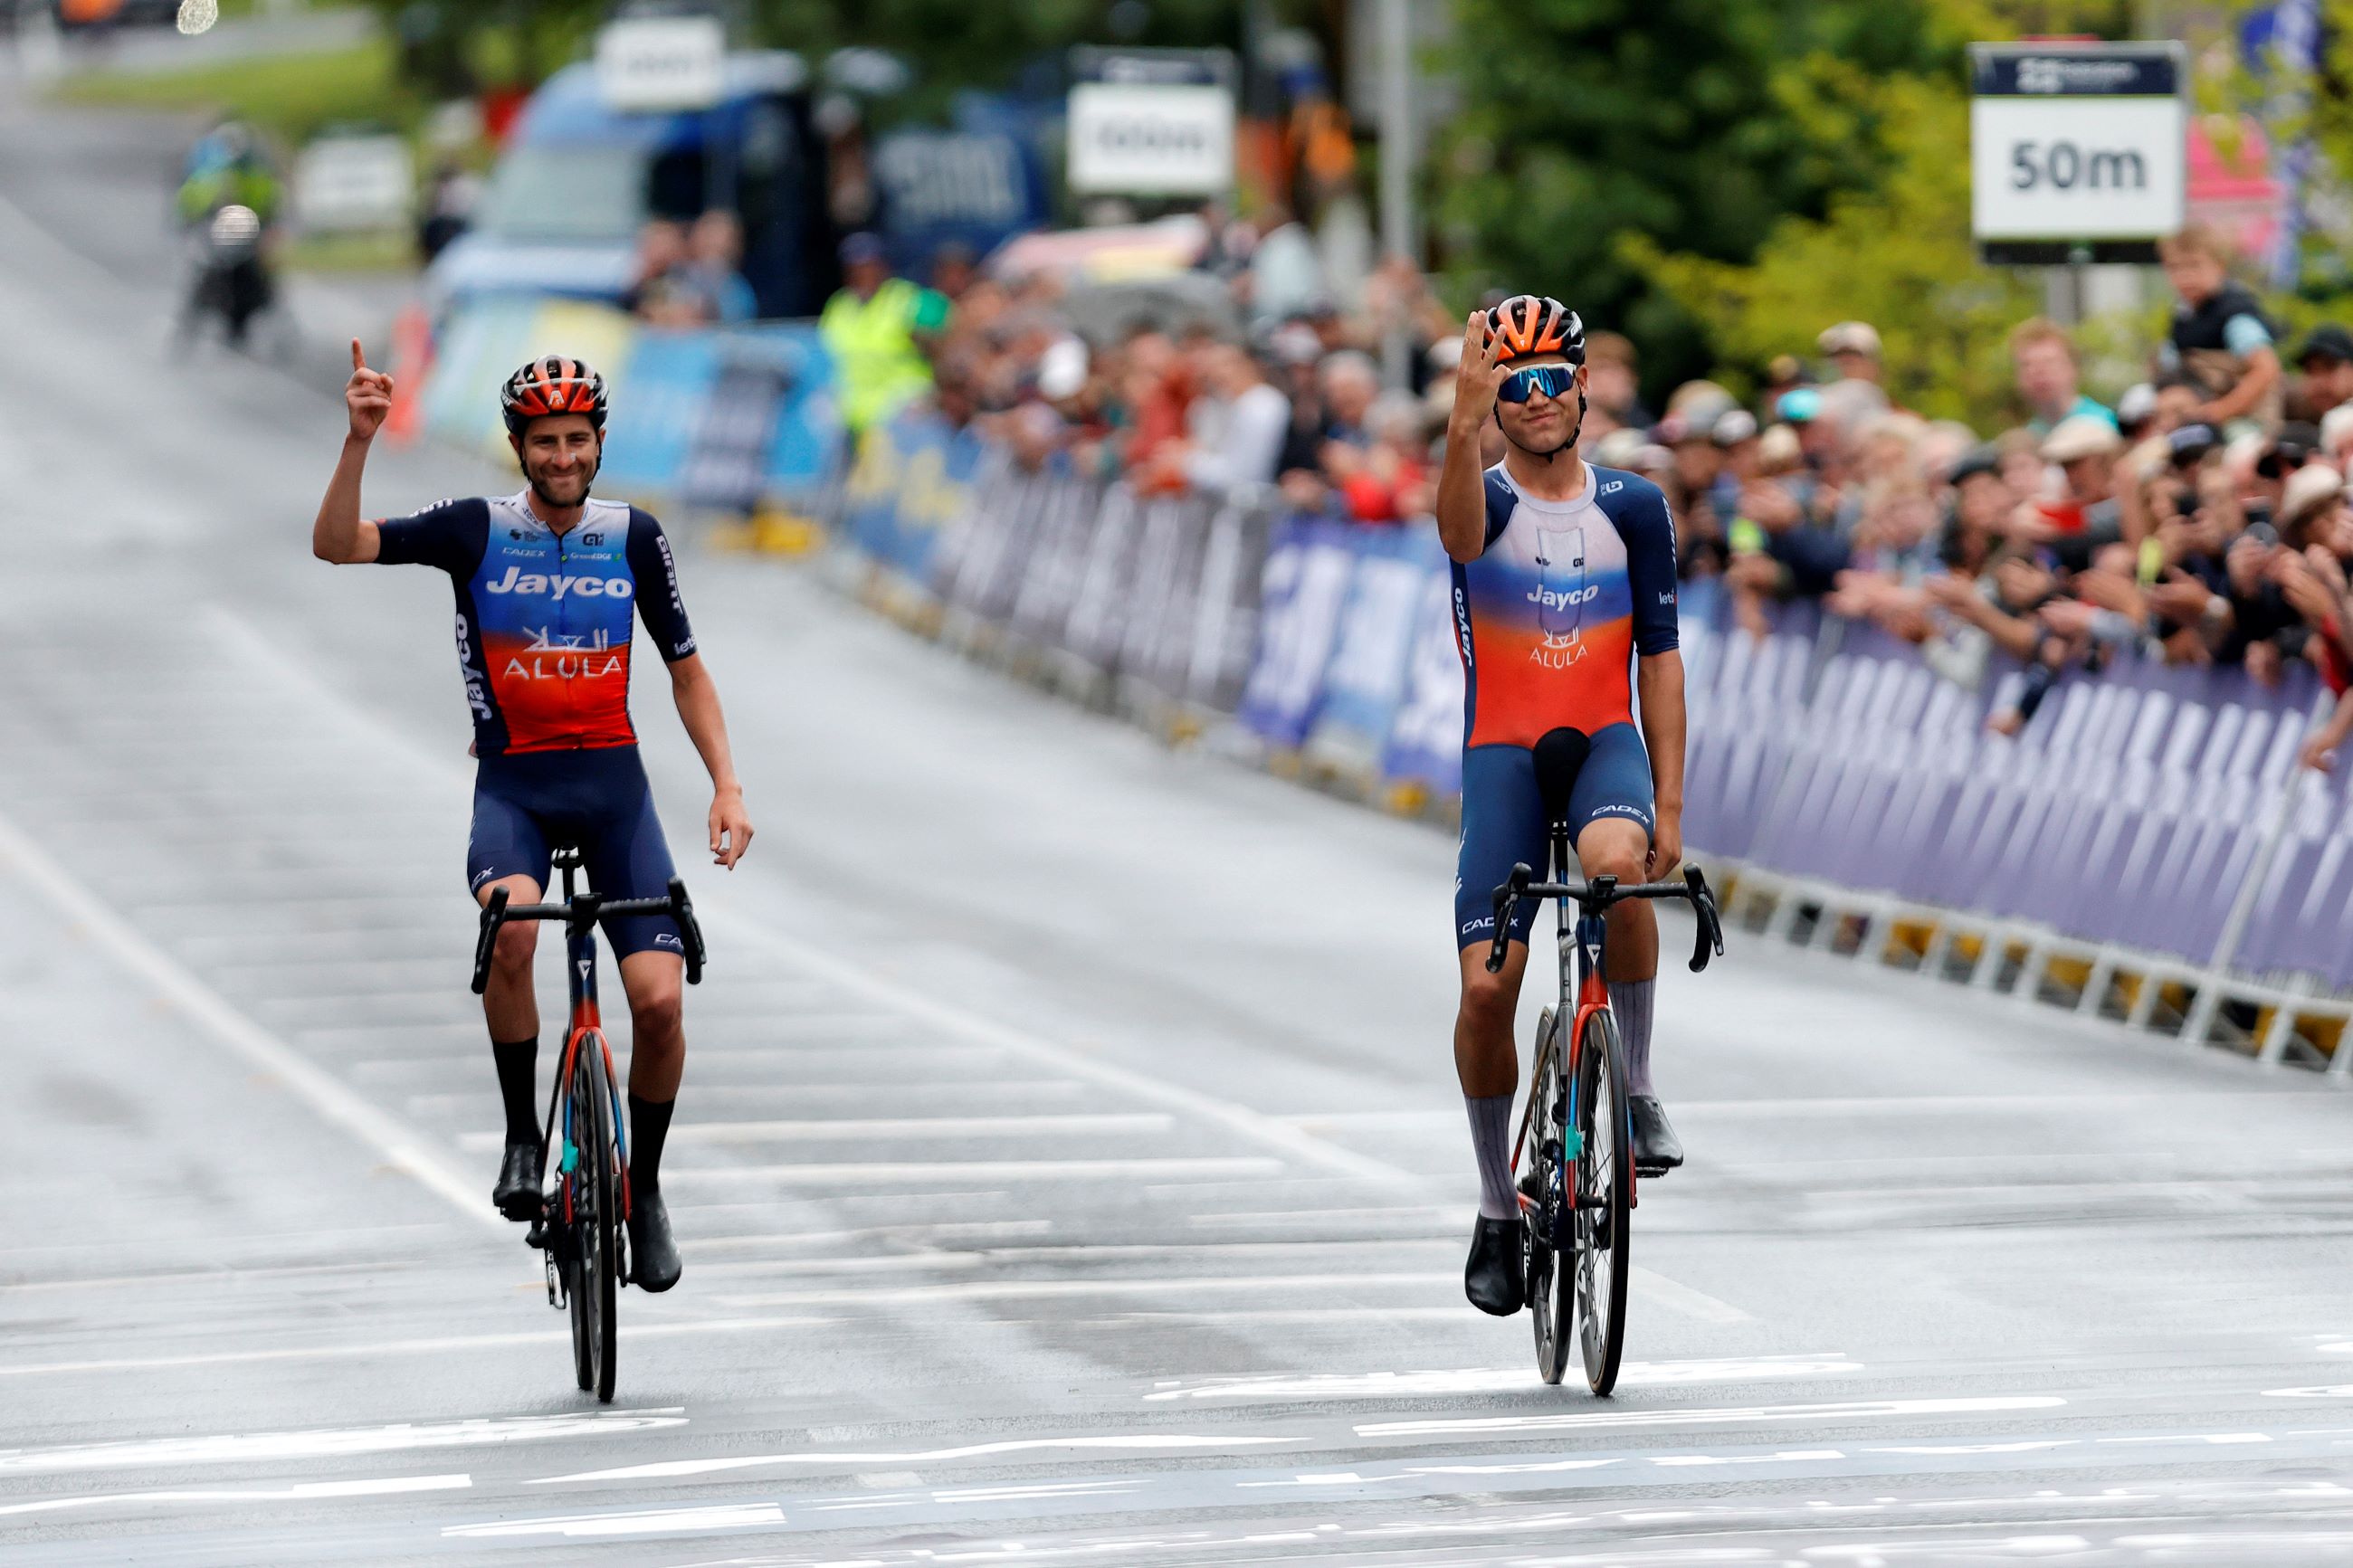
1552, 380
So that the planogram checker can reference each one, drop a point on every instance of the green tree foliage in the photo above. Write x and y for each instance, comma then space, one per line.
1896, 254
1693, 124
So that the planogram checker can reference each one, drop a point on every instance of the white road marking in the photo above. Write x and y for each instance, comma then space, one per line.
442, 1345
1657, 1289
659, 1521
1495, 1379
336, 1443
1034, 1289
1862, 1409
398, 1144
304, 1491
853, 1128
668, 1468
863, 1173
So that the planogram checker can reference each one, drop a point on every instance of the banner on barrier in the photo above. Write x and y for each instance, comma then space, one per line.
1301, 596
1364, 684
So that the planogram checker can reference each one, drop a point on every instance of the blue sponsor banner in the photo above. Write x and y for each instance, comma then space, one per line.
1365, 682
1304, 589
1425, 739
801, 453
659, 400
911, 480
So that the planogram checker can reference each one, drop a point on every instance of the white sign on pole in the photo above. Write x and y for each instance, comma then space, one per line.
345, 183
2077, 145
651, 64
1151, 138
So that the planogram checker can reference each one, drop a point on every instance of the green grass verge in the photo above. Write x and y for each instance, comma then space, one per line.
288, 97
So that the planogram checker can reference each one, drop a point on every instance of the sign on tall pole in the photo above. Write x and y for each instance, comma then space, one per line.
2078, 152
1396, 170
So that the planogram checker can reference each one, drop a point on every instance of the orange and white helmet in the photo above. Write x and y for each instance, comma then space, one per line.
553, 385
1528, 325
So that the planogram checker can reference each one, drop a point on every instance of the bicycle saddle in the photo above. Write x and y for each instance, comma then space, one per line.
1560, 756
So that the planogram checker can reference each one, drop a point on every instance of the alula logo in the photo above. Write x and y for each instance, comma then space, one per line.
555, 585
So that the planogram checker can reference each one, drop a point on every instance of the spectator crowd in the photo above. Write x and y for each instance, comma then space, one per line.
2202, 520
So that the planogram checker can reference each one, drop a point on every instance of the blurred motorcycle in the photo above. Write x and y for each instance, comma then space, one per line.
228, 279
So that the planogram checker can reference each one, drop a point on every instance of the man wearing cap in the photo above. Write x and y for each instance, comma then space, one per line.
2327, 360
874, 328
2084, 447
1853, 348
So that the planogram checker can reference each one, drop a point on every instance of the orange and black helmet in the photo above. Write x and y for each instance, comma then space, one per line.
1528, 325
553, 385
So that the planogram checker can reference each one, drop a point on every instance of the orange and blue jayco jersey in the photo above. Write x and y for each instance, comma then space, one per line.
1549, 617
545, 619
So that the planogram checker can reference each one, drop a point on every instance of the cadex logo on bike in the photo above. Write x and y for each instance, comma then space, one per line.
585, 1194
1573, 1162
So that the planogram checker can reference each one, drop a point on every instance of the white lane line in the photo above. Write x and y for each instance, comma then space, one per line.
305, 1491
1857, 1410
956, 1172
851, 1129
1052, 1290
1660, 1290
667, 1469
1274, 1386
442, 1345
399, 1145
1268, 1131
333, 1443
657, 1521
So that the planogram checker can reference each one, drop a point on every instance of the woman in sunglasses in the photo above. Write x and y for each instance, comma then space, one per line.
1563, 573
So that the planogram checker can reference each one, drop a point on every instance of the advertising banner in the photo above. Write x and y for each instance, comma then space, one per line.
1302, 592
1364, 683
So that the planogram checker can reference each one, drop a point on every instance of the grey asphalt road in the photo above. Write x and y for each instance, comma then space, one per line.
1103, 1201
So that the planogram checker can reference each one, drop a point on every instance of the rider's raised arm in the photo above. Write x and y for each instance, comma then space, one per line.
339, 533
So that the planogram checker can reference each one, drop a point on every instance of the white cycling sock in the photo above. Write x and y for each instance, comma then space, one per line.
1630, 1000
1491, 1139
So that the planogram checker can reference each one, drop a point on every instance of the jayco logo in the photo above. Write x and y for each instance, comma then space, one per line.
1551, 599
518, 581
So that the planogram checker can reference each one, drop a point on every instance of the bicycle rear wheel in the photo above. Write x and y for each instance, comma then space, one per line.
596, 1215
1552, 1305
1604, 1189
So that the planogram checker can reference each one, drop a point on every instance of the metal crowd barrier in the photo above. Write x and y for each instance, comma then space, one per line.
2147, 850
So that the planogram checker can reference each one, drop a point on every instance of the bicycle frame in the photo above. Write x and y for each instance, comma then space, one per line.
586, 1023
1581, 944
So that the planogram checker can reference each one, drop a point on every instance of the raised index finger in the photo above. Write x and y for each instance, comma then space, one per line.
1474, 336
359, 359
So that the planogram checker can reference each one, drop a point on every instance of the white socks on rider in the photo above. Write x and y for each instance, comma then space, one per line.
1491, 1139
1630, 1000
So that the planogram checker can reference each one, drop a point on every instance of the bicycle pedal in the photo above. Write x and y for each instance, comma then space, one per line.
1650, 1172
536, 1237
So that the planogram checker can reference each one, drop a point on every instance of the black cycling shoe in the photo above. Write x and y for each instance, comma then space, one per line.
517, 1193
654, 1264
1657, 1150
1496, 1276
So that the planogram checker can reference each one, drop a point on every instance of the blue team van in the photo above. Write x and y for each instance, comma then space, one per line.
578, 180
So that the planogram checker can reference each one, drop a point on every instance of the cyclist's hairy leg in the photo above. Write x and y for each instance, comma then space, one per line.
655, 981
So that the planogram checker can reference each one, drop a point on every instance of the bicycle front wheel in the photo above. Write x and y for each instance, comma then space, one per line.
1552, 1301
595, 1216
1604, 1189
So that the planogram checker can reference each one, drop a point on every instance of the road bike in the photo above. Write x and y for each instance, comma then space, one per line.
1574, 1158
585, 1147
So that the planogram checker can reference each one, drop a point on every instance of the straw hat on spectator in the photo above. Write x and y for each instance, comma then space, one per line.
1850, 338
1779, 450
2309, 490
2081, 436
